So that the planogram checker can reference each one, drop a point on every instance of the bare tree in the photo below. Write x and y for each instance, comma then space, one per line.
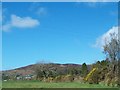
112, 51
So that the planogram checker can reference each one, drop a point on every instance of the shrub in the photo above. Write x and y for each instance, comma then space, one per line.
94, 76
58, 78
49, 79
78, 79
68, 78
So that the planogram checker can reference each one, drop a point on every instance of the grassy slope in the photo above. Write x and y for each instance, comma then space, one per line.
37, 84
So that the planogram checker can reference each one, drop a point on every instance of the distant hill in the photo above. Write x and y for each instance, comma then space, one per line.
30, 69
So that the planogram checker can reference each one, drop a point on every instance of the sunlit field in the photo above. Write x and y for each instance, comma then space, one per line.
38, 84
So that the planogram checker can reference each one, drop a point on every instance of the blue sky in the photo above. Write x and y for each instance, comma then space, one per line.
54, 32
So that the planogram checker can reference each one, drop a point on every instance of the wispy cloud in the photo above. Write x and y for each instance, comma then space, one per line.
100, 42
38, 9
41, 11
20, 22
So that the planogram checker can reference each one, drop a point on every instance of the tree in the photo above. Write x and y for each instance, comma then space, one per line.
5, 76
40, 71
84, 70
112, 51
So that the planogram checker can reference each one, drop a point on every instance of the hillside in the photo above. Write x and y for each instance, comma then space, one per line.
30, 69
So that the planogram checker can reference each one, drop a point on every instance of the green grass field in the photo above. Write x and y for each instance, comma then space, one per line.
38, 84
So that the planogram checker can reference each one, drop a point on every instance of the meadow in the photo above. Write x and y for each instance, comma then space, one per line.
38, 84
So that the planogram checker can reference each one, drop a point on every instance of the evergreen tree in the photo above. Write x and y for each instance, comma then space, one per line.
84, 70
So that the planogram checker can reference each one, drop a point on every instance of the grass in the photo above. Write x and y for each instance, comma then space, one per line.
38, 84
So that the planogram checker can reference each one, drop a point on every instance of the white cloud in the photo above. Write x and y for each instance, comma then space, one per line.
20, 22
24, 22
100, 42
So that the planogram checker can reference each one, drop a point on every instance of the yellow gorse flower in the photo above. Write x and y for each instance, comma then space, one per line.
90, 73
